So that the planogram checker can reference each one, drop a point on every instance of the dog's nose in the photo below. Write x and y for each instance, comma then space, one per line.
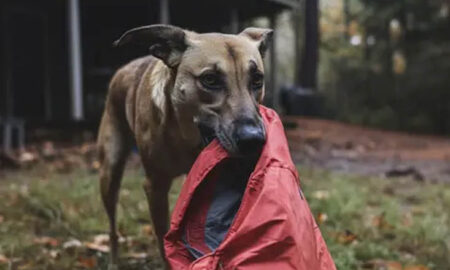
249, 138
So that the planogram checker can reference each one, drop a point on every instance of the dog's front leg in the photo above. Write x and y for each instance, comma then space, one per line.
157, 189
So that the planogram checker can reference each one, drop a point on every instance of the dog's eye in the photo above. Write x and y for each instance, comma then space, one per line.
256, 81
211, 81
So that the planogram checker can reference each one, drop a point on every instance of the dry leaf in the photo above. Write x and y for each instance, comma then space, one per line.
321, 218
321, 194
391, 265
2, 218
53, 253
147, 230
101, 239
72, 244
48, 150
3, 259
346, 237
381, 223
137, 255
27, 157
45, 240
95, 165
97, 247
87, 262
86, 148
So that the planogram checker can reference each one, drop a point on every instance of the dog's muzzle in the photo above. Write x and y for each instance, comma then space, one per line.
249, 137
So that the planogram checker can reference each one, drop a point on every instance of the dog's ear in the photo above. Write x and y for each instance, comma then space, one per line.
165, 42
262, 36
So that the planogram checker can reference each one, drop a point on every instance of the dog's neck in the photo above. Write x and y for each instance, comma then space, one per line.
177, 117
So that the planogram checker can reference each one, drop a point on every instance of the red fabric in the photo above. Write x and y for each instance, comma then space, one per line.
196, 217
274, 227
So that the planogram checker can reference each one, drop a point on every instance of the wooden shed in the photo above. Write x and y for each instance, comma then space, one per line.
57, 58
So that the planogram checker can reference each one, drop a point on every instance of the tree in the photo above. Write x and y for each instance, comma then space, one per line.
309, 60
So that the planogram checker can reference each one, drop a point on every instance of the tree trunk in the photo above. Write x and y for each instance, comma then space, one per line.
308, 69
347, 19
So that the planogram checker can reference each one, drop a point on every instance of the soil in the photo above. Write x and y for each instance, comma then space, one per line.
353, 149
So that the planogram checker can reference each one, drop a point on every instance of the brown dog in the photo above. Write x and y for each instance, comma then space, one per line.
192, 88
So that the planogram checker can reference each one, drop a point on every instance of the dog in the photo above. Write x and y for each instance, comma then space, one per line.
190, 89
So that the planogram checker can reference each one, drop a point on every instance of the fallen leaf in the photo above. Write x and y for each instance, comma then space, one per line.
48, 150
321, 218
381, 223
86, 148
3, 259
346, 237
391, 265
95, 165
321, 194
97, 247
137, 255
54, 254
45, 240
125, 192
27, 157
72, 244
87, 262
147, 230
101, 239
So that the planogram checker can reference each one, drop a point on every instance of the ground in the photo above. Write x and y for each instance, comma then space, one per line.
57, 221
353, 149
51, 216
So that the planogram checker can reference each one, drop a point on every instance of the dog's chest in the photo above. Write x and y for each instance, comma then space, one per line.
172, 158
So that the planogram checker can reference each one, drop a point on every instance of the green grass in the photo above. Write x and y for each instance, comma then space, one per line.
393, 219
414, 217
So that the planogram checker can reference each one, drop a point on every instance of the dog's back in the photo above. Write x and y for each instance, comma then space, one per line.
122, 90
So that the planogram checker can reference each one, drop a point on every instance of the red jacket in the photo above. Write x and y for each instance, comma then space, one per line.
273, 228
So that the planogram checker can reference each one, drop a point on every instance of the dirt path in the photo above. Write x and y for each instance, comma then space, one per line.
354, 149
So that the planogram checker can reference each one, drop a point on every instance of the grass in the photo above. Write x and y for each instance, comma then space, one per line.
364, 220
372, 219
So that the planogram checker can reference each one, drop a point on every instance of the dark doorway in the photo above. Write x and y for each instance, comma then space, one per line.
26, 63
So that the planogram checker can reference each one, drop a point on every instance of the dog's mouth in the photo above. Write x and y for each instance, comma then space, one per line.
208, 134
227, 142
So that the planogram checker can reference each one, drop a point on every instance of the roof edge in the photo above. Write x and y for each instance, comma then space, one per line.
288, 3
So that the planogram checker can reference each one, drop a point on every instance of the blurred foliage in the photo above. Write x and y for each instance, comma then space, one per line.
386, 63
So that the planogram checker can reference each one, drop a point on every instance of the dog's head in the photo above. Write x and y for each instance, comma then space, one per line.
219, 79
